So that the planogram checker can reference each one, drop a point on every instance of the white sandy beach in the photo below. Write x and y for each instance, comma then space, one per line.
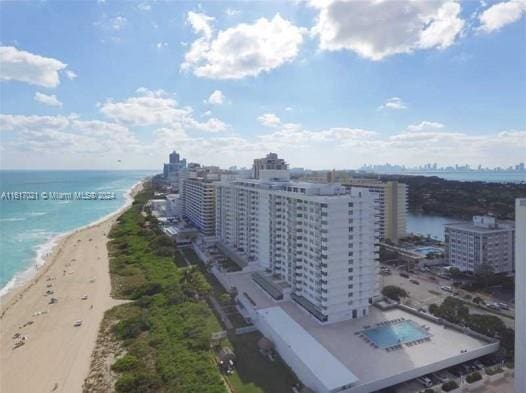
55, 356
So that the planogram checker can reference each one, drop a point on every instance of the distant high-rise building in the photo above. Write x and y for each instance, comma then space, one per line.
319, 238
271, 161
173, 169
520, 295
392, 205
174, 157
482, 242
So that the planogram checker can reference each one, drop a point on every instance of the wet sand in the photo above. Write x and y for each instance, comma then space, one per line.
55, 355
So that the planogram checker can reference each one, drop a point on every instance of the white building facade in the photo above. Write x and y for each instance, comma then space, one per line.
319, 238
198, 199
520, 295
483, 242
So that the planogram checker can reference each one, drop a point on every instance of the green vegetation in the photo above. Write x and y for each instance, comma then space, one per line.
427, 391
256, 373
455, 311
449, 386
166, 331
126, 363
473, 377
494, 370
433, 195
393, 292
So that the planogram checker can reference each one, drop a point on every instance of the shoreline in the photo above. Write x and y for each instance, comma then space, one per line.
15, 287
39, 337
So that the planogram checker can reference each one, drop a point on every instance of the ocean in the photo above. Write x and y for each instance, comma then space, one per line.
67, 200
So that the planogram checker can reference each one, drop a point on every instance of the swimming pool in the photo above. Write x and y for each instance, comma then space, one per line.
396, 333
429, 250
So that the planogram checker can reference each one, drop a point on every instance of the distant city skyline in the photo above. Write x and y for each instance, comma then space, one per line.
434, 167
223, 82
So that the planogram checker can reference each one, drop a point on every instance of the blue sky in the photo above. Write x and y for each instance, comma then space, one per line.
325, 84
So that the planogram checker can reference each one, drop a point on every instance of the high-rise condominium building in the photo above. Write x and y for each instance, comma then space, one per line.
482, 242
392, 205
270, 162
172, 170
319, 238
520, 295
198, 198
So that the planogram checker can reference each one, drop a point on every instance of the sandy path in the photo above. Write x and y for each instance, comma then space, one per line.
56, 355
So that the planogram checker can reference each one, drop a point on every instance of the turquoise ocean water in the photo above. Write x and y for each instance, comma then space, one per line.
29, 228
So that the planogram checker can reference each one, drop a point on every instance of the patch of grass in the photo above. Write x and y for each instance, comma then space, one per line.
255, 373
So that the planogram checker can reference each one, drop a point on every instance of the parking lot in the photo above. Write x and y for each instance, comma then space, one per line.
458, 374
428, 291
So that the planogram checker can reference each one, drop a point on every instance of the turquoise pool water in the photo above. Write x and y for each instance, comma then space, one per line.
396, 333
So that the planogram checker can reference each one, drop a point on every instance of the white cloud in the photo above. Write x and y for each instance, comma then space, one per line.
201, 23
144, 7
289, 109
69, 138
117, 23
66, 134
160, 45
70, 74
46, 99
232, 12
157, 107
501, 14
425, 126
269, 120
22, 66
243, 50
393, 103
375, 29
216, 98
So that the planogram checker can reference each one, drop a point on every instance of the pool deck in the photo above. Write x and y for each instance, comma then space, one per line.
371, 364
389, 334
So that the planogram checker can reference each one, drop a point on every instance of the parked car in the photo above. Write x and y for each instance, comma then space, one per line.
425, 382
503, 306
445, 288
414, 282
405, 275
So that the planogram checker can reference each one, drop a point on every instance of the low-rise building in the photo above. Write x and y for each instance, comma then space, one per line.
481, 242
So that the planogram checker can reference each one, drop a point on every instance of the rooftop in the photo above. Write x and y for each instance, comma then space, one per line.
327, 369
365, 362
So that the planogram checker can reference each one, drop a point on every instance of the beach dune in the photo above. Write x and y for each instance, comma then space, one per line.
54, 355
